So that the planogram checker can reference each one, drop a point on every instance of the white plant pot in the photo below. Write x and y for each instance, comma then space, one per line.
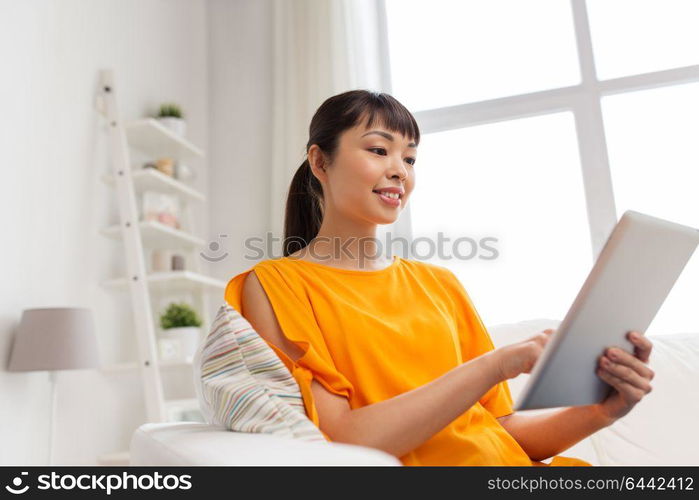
187, 336
183, 172
169, 350
177, 125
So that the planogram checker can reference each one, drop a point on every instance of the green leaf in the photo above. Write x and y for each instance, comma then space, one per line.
179, 315
169, 109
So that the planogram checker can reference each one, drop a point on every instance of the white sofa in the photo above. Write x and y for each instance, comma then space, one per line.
662, 430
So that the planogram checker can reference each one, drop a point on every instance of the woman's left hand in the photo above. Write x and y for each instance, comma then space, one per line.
628, 374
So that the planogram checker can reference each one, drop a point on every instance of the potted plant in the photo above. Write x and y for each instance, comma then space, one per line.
181, 323
170, 115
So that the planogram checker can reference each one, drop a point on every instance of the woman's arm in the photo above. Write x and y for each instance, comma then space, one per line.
545, 435
402, 423
397, 425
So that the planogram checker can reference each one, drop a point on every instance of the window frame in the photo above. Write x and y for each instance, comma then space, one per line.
584, 100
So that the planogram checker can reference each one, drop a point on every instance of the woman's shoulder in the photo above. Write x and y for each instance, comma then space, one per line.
259, 267
268, 264
429, 268
234, 287
440, 279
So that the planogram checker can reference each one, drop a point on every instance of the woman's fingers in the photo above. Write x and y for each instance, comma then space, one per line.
642, 345
545, 335
626, 374
630, 392
542, 338
624, 358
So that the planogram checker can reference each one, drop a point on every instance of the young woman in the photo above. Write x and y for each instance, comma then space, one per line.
392, 354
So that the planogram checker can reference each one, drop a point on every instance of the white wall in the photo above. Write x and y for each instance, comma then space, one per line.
52, 203
240, 84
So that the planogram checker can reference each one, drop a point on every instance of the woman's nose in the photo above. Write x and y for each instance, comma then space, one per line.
398, 169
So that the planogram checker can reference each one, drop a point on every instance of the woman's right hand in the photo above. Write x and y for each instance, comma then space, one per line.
521, 357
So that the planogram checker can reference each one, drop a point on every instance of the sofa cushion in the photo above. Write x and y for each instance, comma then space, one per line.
242, 385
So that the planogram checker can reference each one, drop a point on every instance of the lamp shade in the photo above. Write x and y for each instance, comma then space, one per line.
59, 338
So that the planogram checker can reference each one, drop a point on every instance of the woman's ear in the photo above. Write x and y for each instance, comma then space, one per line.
318, 162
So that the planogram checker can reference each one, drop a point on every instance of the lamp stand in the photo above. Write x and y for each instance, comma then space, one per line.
53, 376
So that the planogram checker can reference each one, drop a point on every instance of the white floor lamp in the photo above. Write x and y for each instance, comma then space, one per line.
57, 338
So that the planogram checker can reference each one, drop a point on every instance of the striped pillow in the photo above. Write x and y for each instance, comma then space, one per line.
243, 385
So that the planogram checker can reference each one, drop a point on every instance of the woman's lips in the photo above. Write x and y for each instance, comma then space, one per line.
394, 202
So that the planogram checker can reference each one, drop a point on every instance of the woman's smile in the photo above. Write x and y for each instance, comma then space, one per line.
392, 199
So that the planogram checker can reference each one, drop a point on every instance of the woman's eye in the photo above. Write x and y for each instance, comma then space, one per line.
382, 151
377, 149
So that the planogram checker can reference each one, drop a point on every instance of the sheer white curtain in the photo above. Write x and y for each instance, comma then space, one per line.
321, 48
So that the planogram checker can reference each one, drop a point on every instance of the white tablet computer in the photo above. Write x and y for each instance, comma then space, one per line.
637, 268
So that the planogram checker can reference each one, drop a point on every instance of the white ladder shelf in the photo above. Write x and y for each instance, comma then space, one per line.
150, 137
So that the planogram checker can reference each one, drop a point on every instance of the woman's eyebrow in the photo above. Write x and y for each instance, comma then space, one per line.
388, 136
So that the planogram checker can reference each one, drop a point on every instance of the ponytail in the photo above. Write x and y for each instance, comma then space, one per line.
304, 210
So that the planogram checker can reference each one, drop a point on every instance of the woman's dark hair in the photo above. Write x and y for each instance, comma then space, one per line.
304, 204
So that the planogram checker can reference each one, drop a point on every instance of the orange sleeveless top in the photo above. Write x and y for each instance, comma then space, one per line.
371, 335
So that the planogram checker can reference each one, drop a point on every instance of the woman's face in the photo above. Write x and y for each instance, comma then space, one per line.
368, 161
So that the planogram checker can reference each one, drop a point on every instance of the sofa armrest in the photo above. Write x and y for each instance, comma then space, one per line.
194, 443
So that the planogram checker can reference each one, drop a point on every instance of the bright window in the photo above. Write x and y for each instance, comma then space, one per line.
511, 169
517, 181
654, 157
447, 52
640, 36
